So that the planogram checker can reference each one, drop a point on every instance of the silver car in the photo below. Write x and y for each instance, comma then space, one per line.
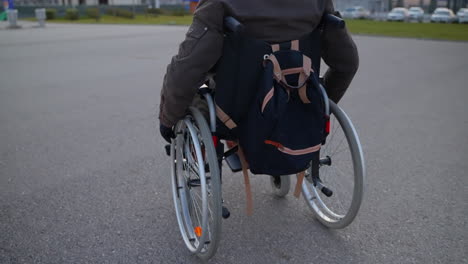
398, 14
443, 14
416, 14
357, 12
462, 15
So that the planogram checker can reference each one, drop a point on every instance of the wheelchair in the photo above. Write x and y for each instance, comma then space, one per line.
333, 186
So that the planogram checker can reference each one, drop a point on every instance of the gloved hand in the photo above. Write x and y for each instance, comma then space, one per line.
166, 132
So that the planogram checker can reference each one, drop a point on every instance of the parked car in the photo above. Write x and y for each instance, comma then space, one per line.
416, 14
398, 14
462, 15
443, 14
357, 12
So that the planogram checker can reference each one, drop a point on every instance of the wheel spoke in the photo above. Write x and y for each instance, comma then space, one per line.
339, 144
196, 206
339, 152
341, 183
209, 209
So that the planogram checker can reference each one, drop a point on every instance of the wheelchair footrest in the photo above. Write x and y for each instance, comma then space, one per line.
233, 160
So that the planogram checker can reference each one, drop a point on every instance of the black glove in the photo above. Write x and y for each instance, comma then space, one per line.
166, 132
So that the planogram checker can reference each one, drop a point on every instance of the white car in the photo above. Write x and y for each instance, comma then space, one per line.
443, 14
357, 12
398, 14
416, 14
462, 15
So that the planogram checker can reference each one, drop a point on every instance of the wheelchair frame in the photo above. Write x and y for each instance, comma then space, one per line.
196, 174
314, 191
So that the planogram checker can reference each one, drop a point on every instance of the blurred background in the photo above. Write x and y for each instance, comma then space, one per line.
365, 16
83, 173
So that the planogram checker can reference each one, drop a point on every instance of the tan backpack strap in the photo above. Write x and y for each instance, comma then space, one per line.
307, 65
227, 120
278, 74
300, 179
268, 97
307, 69
295, 45
304, 72
248, 189
303, 76
303, 94
275, 47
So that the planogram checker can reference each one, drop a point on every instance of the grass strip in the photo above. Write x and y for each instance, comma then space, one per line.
138, 20
457, 32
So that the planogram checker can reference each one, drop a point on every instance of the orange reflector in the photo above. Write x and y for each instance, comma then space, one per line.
198, 231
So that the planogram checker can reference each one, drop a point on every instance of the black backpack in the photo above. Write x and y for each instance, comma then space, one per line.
268, 97
285, 125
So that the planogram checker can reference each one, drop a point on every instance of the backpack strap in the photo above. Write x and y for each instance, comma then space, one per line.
303, 95
300, 179
303, 72
275, 47
307, 67
268, 97
295, 45
279, 74
227, 120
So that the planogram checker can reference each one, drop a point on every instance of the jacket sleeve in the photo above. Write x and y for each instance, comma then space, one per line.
198, 53
340, 53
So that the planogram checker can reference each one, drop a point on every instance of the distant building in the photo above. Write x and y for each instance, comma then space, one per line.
95, 2
382, 5
372, 5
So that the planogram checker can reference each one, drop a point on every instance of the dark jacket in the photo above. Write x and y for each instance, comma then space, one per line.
269, 20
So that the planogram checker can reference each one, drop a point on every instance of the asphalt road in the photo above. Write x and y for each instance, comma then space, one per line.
83, 178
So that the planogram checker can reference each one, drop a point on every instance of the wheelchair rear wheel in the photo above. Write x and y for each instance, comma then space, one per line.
196, 185
341, 171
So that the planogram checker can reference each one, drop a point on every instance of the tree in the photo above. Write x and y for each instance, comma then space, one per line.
464, 3
432, 6
459, 4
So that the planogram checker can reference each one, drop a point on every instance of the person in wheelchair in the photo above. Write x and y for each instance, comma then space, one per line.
273, 21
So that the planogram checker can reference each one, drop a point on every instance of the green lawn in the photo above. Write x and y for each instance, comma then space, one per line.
380, 28
139, 19
410, 30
